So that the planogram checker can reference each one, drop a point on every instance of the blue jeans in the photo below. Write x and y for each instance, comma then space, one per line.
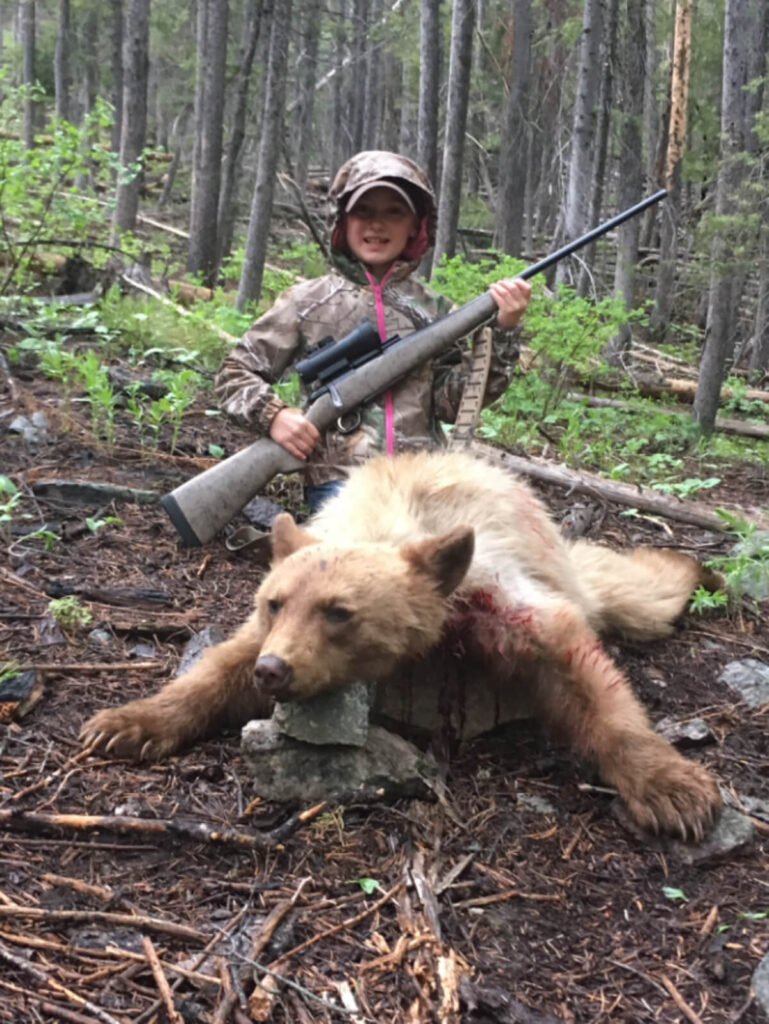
318, 494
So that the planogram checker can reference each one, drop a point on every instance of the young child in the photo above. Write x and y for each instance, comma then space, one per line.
383, 224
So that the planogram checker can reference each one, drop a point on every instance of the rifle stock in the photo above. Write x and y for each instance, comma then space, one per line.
200, 507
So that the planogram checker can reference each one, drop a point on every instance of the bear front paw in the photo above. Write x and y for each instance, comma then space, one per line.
132, 731
674, 796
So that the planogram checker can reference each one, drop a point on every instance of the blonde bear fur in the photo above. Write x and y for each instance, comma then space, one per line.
411, 551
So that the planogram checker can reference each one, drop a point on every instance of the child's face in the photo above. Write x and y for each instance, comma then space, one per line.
379, 228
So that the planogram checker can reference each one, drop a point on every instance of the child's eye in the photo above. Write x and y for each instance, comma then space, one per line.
273, 606
336, 614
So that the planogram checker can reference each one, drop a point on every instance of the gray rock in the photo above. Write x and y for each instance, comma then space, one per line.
532, 802
693, 733
196, 645
332, 718
100, 637
733, 834
142, 650
33, 429
760, 984
749, 678
286, 769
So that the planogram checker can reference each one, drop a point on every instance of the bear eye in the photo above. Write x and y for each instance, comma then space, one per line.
273, 606
337, 614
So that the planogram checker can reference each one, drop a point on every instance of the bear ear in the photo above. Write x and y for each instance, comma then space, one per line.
287, 537
445, 559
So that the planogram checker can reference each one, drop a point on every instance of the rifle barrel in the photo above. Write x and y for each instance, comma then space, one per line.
578, 243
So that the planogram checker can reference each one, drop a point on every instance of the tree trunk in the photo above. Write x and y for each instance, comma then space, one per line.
89, 61
630, 164
718, 329
659, 321
269, 147
255, 14
514, 148
429, 66
606, 95
212, 53
652, 123
577, 206
27, 27
134, 119
178, 135
372, 101
356, 81
307, 71
460, 65
340, 138
116, 64
759, 355
61, 55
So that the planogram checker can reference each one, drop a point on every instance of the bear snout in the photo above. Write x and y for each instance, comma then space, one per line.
273, 675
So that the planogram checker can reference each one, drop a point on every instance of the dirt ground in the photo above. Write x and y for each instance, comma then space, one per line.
519, 895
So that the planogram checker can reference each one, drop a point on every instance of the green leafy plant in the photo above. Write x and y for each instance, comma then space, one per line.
10, 497
69, 613
676, 895
94, 525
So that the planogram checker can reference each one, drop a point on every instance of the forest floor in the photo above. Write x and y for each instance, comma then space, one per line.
518, 896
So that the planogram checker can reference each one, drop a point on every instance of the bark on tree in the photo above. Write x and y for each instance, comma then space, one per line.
577, 206
372, 93
255, 15
659, 321
630, 164
605, 100
514, 148
719, 326
429, 70
340, 138
27, 28
307, 70
134, 119
460, 65
178, 135
61, 55
212, 54
356, 81
759, 353
652, 124
269, 147
116, 65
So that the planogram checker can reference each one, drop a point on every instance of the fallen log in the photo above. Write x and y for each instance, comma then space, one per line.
634, 496
684, 390
725, 426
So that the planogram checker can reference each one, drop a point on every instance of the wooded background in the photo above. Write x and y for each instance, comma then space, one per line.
534, 118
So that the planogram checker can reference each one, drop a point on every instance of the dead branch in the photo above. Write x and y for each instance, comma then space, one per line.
53, 917
161, 981
164, 828
691, 512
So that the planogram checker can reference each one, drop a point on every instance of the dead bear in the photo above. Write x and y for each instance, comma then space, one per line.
424, 544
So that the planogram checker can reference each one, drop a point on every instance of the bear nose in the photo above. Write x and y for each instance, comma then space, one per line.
273, 674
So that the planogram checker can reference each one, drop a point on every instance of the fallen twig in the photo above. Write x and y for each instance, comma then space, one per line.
43, 979
161, 981
679, 1000
197, 832
180, 931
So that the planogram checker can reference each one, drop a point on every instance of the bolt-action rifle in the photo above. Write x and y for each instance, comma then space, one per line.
348, 373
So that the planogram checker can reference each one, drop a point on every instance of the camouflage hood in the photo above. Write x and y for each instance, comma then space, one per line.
369, 166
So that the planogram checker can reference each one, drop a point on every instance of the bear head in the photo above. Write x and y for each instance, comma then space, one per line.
333, 614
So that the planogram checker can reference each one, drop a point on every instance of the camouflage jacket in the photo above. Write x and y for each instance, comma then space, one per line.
332, 306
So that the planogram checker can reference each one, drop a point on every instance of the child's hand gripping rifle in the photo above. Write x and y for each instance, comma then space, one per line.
347, 379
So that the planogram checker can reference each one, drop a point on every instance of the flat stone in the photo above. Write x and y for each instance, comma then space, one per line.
286, 769
196, 645
332, 718
733, 834
693, 733
749, 678
261, 511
